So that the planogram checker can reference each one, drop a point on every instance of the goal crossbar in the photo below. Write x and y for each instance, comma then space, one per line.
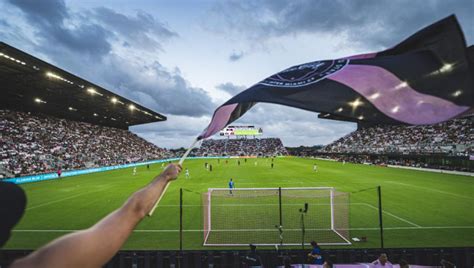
229, 220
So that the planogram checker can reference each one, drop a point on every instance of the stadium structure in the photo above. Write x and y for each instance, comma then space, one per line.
32, 85
52, 119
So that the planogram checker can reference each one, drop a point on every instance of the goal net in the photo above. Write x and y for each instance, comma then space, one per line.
270, 216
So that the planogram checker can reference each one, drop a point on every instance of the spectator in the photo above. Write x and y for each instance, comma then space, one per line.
315, 256
382, 262
32, 144
404, 264
253, 259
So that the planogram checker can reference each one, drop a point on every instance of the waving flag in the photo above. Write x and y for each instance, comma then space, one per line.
425, 79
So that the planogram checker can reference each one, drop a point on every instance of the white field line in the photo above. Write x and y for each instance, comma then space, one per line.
256, 205
258, 230
429, 189
66, 198
393, 215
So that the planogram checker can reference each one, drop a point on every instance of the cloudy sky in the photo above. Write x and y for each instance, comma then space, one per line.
185, 58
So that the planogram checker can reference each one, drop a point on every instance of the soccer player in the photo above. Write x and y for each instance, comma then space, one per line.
238, 162
231, 186
272, 165
210, 167
315, 256
94, 246
187, 173
315, 168
147, 166
134, 171
59, 172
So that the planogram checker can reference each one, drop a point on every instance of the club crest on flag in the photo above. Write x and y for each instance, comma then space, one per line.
305, 74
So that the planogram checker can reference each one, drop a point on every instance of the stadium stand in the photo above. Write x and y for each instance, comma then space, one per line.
455, 137
32, 144
447, 146
242, 147
437, 257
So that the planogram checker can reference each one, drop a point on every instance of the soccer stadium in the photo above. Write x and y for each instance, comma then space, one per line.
392, 190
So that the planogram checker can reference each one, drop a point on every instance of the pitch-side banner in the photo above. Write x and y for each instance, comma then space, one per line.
425, 79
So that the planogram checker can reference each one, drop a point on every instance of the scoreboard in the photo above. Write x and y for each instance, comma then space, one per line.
241, 131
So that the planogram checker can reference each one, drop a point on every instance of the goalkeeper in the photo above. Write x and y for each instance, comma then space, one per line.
94, 246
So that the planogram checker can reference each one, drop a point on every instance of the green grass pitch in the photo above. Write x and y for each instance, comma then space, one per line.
421, 209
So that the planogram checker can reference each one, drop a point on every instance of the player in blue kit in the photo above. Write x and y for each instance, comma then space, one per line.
231, 186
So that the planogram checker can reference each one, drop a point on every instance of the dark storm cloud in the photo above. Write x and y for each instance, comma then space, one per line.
158, 88
82, 43
366, 22
141, 30
235, 56
230, 88
51, 17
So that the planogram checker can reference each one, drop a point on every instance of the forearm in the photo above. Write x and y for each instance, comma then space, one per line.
142, 201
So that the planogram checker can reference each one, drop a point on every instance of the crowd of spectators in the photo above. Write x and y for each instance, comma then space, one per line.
32, 144
242, 147
454, 137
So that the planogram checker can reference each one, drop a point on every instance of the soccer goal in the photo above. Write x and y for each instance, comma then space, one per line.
271, 216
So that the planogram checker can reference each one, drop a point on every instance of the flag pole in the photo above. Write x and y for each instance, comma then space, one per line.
185, 155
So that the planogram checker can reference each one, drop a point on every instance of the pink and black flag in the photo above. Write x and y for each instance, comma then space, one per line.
426, 79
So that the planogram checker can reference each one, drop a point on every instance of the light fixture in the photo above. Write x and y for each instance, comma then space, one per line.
113, 100
12, 59
96, 114
131, 107
360, 117
339, 110
38, 100
356, 103
457, 93
55, 76
446, 68
72, 109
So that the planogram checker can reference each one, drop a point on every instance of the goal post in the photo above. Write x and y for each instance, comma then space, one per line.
271, 216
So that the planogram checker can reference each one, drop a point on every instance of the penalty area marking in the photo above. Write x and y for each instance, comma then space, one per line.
260, 230
66, 198
393, 215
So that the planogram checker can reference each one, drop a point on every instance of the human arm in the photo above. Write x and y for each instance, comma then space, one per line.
96, 245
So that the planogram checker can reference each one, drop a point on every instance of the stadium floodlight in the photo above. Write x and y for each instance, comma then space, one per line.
55, 76
91, 91
131, 107
250, 215
12, 59
38, 100
356, 103
72, 109
339, 110
113, 100
457, 93
446, 68
95, 114
361, 117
